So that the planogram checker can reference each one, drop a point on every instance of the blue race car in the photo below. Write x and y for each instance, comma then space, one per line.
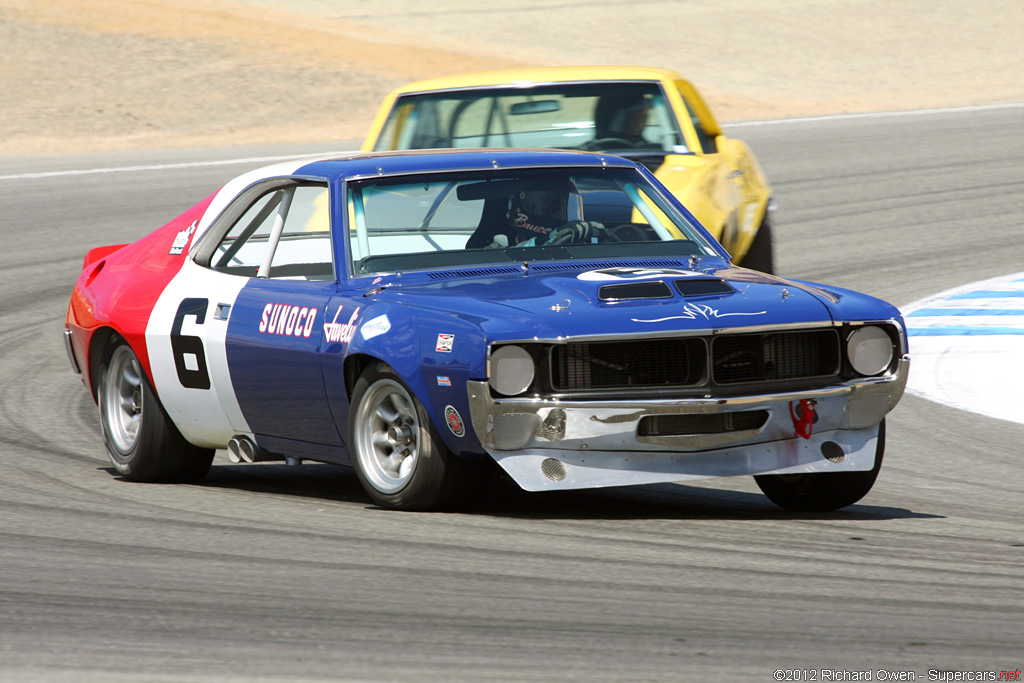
414, 314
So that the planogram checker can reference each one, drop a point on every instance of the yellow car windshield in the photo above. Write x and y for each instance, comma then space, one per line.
604, 117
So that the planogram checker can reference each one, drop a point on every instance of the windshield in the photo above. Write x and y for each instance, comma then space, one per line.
466, 219
605, 117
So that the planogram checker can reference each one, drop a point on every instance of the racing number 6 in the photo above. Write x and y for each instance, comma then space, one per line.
186, 347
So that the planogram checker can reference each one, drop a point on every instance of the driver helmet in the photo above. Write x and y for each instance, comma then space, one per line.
621, 116
539, 207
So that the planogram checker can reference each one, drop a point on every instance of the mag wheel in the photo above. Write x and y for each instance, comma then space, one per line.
142, 443
760, 256
824, 491
396, 451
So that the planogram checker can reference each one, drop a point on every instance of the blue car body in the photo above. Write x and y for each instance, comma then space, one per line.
274, 361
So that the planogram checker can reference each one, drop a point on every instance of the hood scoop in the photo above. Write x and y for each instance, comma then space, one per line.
703, 287
635, 290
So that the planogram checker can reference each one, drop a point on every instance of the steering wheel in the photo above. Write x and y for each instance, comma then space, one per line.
602, 143
581, 232
631, 232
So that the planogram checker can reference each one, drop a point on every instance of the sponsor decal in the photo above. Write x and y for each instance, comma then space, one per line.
443, 381
694, 311
614, 274
287, 320
376, 327
454, 420
445, 342
182, 238
341, 332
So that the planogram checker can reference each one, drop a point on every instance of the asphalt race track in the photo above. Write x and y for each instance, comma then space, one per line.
271, 573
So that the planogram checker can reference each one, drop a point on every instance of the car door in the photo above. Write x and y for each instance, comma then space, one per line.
246, 320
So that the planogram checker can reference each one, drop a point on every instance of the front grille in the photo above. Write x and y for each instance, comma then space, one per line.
610, 365
712, 423
694, 364
775, 356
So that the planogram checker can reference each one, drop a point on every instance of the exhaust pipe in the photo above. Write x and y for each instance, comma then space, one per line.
241, 448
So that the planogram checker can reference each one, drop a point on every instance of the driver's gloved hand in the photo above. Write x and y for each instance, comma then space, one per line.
576, 232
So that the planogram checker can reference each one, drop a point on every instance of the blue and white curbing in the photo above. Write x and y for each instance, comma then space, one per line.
967, 347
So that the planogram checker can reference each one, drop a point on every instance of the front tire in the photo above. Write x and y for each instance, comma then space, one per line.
822, 492
761, 254
399, 457
141, 441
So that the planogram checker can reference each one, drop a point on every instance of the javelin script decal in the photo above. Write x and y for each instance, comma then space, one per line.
693, 311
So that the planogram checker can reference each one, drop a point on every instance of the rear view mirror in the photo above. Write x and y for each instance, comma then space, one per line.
534, 107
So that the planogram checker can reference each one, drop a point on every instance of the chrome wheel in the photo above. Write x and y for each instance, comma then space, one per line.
142, 442
387, 438
122, 399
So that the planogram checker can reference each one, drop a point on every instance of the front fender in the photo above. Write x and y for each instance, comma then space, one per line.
435, 354
849, 306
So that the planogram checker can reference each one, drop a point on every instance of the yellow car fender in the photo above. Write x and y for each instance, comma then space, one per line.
753, 192
703, 188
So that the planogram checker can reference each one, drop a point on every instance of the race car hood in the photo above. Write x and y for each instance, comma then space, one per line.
619, 301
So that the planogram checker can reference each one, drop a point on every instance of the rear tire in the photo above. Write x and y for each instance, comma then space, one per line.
761, 254
398, 455
823, 491
141, 441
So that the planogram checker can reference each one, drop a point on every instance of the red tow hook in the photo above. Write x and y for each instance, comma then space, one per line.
804, 424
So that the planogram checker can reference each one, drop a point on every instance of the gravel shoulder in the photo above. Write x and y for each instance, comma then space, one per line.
85, 76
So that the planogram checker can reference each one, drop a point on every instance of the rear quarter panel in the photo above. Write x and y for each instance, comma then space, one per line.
118, 291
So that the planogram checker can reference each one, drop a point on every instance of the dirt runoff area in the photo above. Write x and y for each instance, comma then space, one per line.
90, 75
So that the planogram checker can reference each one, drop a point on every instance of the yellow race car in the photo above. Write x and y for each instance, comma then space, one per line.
652, 116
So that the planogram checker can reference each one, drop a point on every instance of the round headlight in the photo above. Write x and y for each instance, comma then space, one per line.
511, 370
870, 350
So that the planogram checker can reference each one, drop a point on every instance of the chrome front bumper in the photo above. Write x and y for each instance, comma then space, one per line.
595, 443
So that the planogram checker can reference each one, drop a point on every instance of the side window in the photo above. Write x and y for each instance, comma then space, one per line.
302, 249
400, 123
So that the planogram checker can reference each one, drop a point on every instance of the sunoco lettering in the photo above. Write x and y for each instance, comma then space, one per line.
341, 332
288, 321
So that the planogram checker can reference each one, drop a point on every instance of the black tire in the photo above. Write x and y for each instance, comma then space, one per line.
397, 453
761, 254
825, 491
142, 442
